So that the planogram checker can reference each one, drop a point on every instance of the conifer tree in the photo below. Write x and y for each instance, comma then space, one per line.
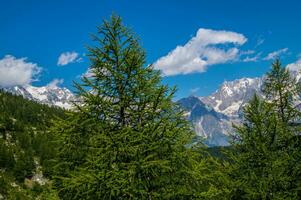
267, 157
126, 139
283, 91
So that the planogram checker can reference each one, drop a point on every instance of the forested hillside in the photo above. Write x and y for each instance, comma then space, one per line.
24, 145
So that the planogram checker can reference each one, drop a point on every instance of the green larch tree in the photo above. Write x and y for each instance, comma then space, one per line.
126, 139
267, 151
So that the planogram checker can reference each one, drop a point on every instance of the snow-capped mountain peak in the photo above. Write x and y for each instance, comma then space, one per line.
231, 95
211, 116
49, 94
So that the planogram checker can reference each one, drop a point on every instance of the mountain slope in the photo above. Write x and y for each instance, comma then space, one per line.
226, 107
25, 146
50, 95
212, 116
232, 95
207, 123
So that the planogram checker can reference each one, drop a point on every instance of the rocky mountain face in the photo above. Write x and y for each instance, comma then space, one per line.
226, 105
232, 95
212, 116
210, 125
50, 95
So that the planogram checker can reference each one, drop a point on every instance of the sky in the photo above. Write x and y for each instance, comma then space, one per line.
197, 44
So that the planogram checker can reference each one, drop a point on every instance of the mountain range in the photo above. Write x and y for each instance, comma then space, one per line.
212, 116
50, 94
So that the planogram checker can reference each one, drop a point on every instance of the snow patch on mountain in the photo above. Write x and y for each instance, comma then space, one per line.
227, 105
208, 124
50, 95
232, 95
233, 109
213, 116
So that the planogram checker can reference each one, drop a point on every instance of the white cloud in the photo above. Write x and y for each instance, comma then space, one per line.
17, 71
55, 83
68, 57
252, 58
296, 66
248, 52
200, 52
273, 55
194, 90
259, 42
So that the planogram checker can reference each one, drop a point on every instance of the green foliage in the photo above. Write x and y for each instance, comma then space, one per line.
282, 90
267, 152
127, 138
22, 125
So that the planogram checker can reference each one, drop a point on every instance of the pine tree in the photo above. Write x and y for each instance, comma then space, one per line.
127, 138
267, 159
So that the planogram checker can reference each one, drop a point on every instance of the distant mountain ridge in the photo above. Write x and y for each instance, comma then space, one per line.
232, 95
212, 116
50, 95
208, 124
224, 107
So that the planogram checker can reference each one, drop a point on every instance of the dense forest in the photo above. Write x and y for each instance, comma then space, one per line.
128, 139
25, 146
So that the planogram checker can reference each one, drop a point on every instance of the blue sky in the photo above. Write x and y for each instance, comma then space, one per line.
252, 34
